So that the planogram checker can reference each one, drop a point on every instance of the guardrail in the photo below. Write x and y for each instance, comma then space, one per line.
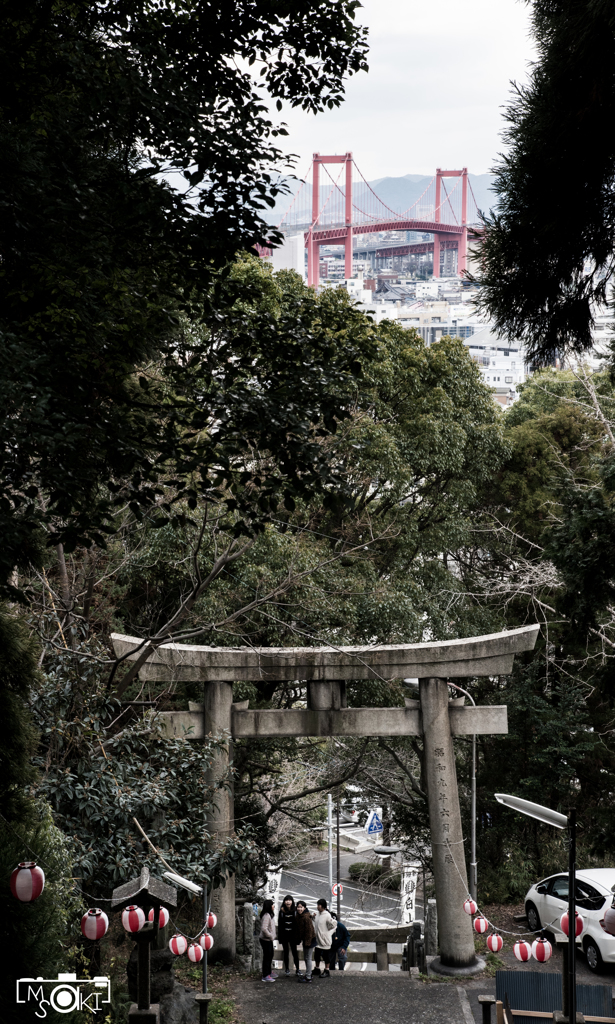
382, 937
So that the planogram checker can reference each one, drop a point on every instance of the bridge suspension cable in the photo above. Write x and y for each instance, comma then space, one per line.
331, 212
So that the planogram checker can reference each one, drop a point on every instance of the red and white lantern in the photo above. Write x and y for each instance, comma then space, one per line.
481, 924
94, 924
207, 941
608, 921
522, 951
470, 906
178, 944
494, 942
195, 953
163, 918
27, 881
133, 919
212, 919
542, 950
578, 920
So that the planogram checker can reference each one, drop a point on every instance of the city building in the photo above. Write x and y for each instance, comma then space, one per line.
435, 316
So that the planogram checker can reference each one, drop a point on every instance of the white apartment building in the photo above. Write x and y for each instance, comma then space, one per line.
501, 363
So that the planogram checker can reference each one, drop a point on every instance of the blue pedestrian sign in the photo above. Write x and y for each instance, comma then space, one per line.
373, 825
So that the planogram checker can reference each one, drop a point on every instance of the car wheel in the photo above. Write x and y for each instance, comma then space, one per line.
593, 956
533, 917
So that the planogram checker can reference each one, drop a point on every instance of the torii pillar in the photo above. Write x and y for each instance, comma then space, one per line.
326, 671
449, 865
217, 722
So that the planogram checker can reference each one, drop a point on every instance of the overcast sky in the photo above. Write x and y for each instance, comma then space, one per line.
440, 72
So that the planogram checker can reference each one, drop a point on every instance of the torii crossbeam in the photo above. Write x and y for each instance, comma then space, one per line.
326, 670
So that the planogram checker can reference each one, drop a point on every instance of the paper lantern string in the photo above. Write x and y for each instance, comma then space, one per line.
497, 928
94, 899
194, 938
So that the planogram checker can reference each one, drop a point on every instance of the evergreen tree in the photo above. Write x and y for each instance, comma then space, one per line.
547, 253
35, 937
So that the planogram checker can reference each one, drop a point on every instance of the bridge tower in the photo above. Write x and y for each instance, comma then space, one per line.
341, 235
462, 251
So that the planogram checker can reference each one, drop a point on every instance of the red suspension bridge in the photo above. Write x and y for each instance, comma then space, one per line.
334, 208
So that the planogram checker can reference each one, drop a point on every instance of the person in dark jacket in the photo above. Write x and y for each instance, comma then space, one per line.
339, 945
306, 936
287, 933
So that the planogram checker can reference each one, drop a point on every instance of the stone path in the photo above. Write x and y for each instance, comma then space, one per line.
352, 999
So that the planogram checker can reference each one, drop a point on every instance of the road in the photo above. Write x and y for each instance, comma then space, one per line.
361, 907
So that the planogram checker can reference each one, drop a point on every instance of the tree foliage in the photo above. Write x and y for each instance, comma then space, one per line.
418, 438
546, 556
137, 160
548, 248
100, 769
27, 831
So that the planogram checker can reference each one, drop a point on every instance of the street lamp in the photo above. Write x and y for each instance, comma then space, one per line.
203, 997
557, 820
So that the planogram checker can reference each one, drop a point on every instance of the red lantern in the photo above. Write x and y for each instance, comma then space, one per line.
480, 924
195, 953
163, 918
494, 942
133, 919
542, 950
206, 941
94, 924
212, 920
470, 906
522, 951
578, 920
27, 881
178, 944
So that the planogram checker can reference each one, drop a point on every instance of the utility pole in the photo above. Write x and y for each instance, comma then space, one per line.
330, 829
338, 855
473, 865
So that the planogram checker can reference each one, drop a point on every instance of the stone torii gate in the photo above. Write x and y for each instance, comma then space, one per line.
326, 670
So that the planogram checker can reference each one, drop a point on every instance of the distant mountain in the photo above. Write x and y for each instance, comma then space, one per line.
400, 193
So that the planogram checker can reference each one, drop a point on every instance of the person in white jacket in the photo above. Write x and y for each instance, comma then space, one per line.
324, 926
267, 939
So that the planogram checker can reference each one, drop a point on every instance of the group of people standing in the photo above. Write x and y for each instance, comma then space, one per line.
321, 935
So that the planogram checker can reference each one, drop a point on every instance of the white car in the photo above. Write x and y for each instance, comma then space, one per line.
546, 901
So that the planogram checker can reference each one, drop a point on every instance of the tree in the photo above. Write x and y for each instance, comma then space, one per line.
547, 252
27, 831
544, 553
138, 158
420, 438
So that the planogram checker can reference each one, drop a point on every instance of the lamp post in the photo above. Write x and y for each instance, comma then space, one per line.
557, 820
